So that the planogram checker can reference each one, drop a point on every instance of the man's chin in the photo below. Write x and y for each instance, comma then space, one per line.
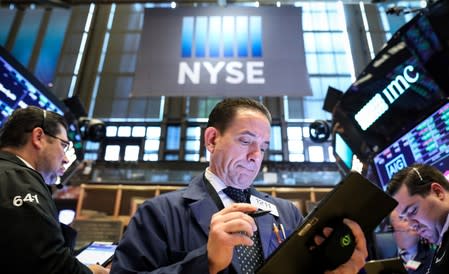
245, 181
428, 237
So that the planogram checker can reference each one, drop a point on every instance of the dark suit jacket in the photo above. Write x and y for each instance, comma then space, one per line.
440, 262
168, 233
31, 238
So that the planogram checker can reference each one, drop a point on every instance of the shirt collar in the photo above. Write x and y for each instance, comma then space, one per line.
445, 228
26, 163
216, 182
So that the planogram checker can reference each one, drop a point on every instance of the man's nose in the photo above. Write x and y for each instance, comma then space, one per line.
65, 160
414, 225
255, 152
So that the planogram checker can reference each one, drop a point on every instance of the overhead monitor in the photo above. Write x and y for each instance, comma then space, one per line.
19, 89
427, 143
407, 77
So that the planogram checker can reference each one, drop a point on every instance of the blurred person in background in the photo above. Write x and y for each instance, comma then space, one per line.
415, 252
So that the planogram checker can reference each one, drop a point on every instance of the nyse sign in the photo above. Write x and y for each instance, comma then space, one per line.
234, 72
214, 51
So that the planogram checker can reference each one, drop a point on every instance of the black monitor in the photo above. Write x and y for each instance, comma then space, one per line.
427, 142
407, 77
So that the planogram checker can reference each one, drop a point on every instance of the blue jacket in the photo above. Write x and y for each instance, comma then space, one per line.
168, 233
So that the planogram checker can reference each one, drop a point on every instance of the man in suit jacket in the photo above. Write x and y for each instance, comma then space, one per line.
201, 229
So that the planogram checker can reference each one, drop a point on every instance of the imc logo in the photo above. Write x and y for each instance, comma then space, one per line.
395, 165
221, 37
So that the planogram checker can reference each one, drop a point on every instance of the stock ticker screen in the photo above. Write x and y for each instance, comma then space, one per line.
427, 143
18, 91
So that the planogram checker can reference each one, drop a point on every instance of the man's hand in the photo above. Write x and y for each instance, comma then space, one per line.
98, 269
229, 227
357, 260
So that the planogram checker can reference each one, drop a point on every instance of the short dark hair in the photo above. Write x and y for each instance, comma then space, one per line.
15, 131
417, 178
224, 112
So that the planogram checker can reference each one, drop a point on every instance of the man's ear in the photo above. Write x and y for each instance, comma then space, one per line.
37, 136
210, 136
438, 190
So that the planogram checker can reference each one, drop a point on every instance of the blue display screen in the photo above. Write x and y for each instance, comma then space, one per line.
343, 152
19, 89
427, 142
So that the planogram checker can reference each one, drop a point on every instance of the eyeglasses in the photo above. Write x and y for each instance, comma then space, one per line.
66, 145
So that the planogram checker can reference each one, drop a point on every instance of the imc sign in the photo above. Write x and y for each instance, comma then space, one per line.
223, 52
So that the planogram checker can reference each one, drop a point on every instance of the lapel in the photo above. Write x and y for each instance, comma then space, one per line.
203, 207
200, 203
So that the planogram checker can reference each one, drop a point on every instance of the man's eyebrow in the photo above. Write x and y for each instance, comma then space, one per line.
405, 211
247, 132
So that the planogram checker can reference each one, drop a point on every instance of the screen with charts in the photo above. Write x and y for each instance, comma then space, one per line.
427, 142
406, 79
19, 89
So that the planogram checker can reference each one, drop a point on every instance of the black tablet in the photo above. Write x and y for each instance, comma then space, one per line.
97, 253
355, 198
385, 266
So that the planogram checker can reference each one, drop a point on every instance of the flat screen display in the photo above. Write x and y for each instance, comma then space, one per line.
97, 253
19, 89
427, 142
343, 153
405, 80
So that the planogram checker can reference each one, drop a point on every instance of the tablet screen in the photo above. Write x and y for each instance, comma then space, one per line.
97, 253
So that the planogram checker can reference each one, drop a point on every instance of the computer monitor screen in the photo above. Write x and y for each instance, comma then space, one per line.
343, 153
19, 89
405, 80
427, 142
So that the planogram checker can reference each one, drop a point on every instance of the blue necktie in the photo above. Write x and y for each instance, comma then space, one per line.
238, 195
250, 257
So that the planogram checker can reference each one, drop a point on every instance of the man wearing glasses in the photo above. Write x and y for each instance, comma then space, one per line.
422, 192
33, 146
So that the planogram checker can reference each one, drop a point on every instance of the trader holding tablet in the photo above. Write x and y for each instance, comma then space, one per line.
33, 143
206, 228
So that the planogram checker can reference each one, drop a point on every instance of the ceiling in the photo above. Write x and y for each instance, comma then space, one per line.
68, 3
